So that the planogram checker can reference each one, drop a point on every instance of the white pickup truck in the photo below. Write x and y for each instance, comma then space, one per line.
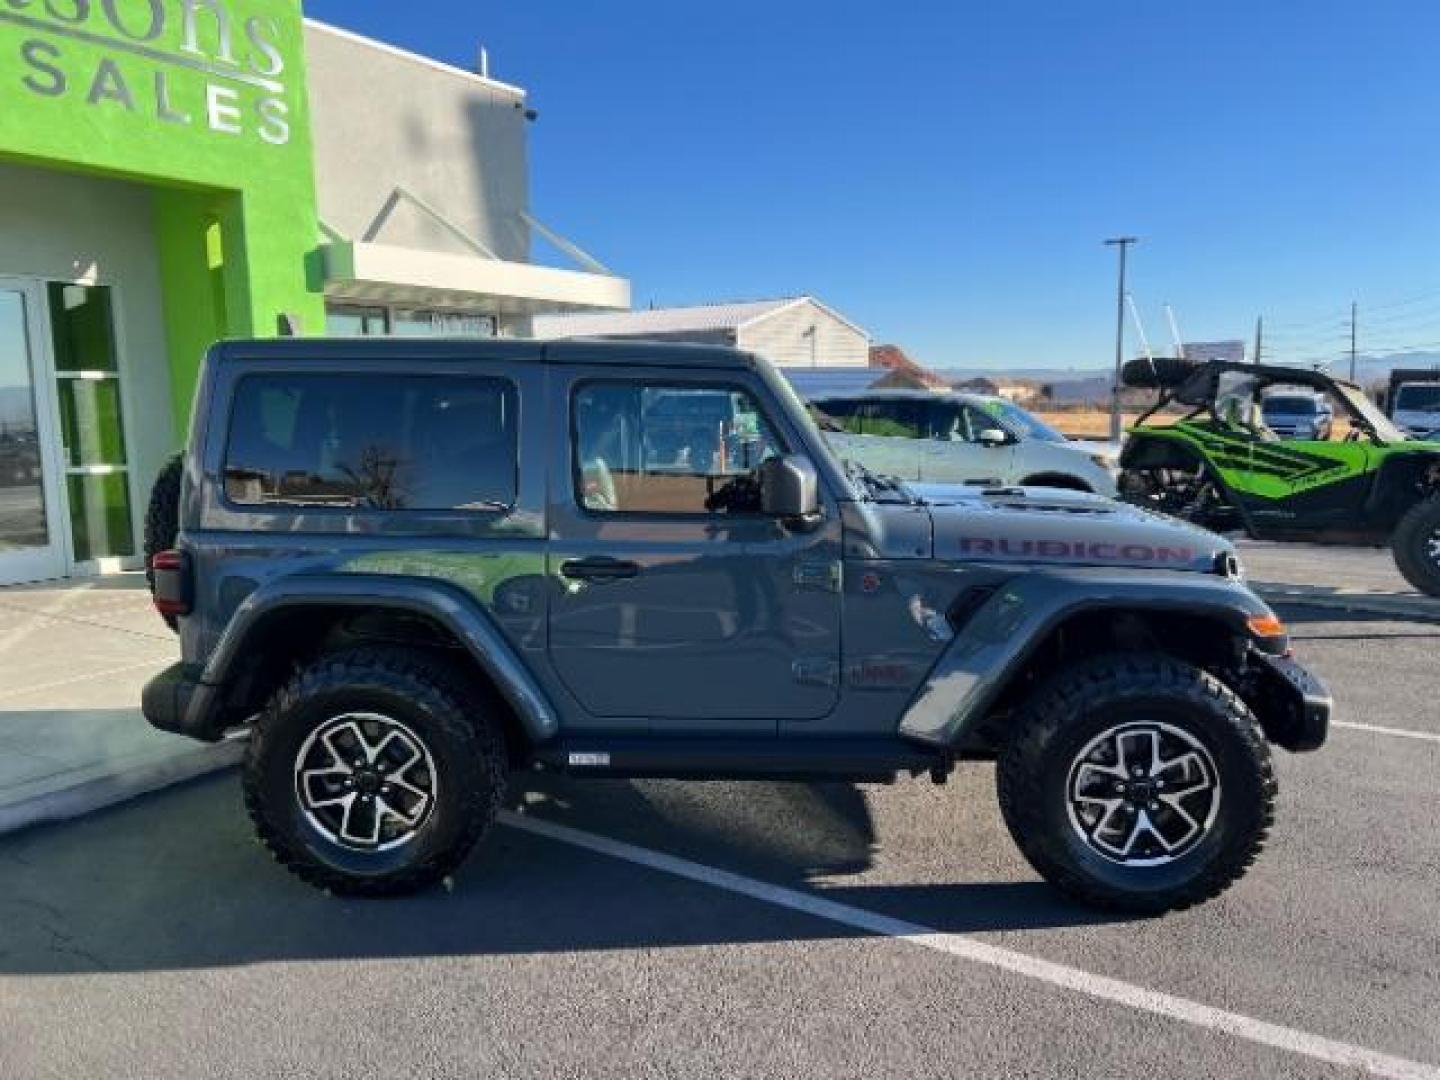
1415, 408
955, 438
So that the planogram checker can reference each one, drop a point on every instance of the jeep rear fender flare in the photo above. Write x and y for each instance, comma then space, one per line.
994, 645
456, 611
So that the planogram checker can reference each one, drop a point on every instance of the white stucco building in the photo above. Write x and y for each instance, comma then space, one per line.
797, 331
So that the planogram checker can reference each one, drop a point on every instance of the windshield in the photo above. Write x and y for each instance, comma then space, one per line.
804, 416
1415, 397
1027, 423
1291, 405
1368, 411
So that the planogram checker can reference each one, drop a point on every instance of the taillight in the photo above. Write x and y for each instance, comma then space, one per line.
171, 587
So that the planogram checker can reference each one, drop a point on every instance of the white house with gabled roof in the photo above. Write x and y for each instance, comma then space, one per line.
797, 331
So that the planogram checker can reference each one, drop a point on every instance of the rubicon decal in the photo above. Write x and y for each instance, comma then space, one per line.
1076, 550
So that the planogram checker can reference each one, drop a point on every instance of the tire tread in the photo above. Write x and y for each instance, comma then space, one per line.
1112, 679
447, 698
1407, 545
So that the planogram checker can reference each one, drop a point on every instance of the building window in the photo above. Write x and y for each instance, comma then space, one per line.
343, 320
662, 449
417, 323
376, 442
87, 378
350, 320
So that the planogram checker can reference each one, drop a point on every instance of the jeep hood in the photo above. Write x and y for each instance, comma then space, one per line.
1072, 528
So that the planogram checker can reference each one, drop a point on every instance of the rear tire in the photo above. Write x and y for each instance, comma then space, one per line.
1416, 546
162, 520
1113, 838
406, 740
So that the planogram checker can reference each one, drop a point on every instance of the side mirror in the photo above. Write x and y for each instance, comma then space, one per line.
790, 490
993, 437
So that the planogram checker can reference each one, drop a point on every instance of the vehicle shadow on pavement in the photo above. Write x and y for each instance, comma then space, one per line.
177, 882
1386, 625
1412, 613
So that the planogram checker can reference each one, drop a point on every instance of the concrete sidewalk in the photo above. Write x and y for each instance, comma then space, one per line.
73, 658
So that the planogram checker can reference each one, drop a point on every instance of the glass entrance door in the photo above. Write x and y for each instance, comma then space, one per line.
32, 532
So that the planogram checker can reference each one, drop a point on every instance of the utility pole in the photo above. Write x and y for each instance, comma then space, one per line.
1123, 243
1354, 311
1260, 336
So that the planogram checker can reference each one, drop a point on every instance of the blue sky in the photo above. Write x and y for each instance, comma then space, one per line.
944, 173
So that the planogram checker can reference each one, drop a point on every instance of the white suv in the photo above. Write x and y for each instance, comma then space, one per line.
951, 438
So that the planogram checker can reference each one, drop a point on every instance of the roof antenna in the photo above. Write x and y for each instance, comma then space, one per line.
1140, 329
1175, 333
484, 65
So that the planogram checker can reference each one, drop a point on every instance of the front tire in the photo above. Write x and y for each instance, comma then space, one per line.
1416, 546
374, 773
1137, 783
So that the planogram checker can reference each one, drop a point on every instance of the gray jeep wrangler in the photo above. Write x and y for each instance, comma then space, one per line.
412, 568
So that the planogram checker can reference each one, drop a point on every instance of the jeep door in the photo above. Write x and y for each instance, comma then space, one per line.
673, 599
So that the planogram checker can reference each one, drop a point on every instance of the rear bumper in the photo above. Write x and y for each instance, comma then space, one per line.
1293, 705
177, 701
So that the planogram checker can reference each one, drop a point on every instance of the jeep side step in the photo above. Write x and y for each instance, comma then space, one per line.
698, 758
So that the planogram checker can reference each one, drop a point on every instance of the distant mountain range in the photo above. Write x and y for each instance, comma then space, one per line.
1080, 384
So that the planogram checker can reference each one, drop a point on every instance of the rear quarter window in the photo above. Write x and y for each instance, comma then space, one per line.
378, 442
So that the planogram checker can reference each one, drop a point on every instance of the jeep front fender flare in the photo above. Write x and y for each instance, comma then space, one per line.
993, 646
460, 614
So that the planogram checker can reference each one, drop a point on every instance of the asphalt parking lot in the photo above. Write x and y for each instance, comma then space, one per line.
754, 929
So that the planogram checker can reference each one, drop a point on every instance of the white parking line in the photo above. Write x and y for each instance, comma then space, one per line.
1277, 1036
1376, 729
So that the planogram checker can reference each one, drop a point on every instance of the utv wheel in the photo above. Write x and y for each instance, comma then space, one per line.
162, 519
374, 773
1416, 546
1137, 783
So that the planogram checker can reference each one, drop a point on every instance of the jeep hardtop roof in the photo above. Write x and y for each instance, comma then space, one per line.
575, 351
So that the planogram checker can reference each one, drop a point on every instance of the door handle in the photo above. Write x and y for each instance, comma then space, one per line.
600, 568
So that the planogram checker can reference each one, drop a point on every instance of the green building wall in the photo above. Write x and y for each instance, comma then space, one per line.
206, 102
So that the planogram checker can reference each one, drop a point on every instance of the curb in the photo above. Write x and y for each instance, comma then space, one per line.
98, 788
1412, 608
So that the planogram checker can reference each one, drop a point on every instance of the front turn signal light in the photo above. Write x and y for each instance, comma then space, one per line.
1266, 626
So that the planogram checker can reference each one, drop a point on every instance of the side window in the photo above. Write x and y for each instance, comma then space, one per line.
899, 419
973, 421
845, 412
668, 449
381, 442
947, 421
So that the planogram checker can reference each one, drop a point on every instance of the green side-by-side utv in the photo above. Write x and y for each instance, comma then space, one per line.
1220, 466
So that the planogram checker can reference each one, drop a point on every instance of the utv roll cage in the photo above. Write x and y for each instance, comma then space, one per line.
1200, 386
